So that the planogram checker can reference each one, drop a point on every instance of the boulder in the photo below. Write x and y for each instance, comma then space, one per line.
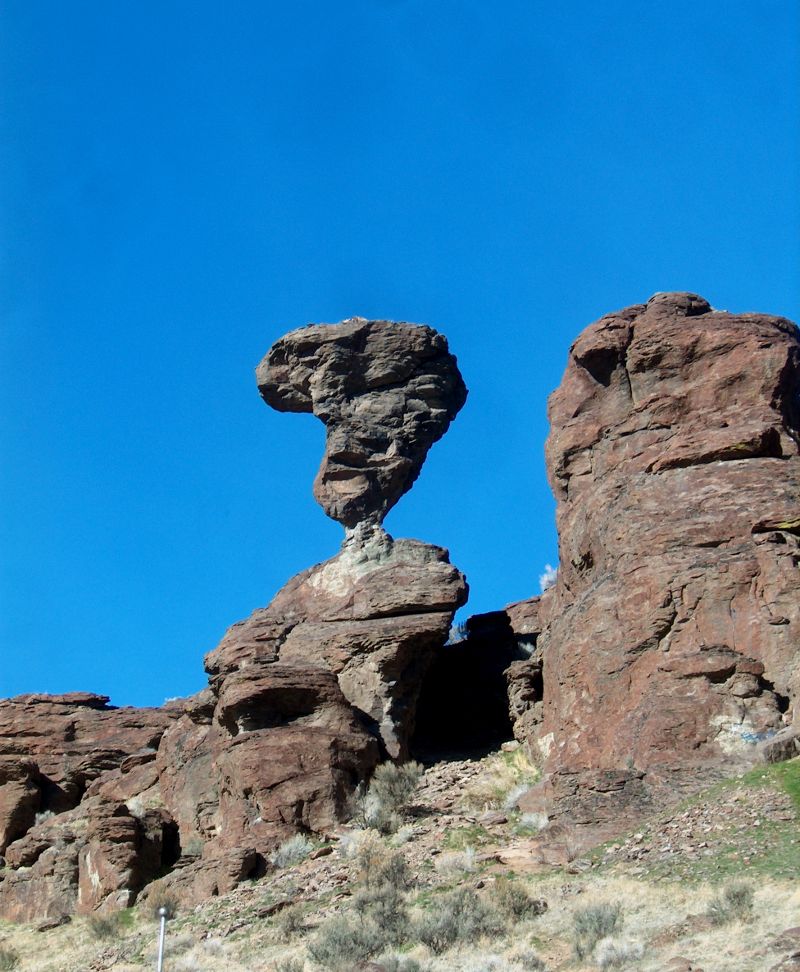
386, 392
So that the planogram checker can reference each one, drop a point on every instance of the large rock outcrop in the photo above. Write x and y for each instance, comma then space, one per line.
373, 616
669, 646
69, 844
386, 392
304, 696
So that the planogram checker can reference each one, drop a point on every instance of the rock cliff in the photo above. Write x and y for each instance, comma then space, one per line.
668, 647
666, 652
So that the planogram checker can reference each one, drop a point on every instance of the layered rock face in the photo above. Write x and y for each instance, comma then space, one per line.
373, 616
386, 392
669, 644
304, 696
68, 837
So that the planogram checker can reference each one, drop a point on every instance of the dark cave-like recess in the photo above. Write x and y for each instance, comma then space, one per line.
463, 705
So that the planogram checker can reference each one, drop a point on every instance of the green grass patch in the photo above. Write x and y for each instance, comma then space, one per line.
772, 849
784, 776
473, 835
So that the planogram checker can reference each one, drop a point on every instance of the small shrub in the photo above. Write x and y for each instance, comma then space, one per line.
187, 964
456, 863
403, 835
530, 962
548, 578
292, 851
735, 902
399, 963
458, 632
9, 959
290, 964
471, 835
375, 863
531, 823
486, 963
611, 954
384, 906
394, 784
369, 853
290, 922
106, 926
340, 943
42, 817
395, 872
159, 898
514, 902
460, 917
391, 787
593, 922
506, 776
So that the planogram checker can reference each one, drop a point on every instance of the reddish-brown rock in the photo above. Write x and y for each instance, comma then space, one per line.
670, 640
76, 737
386, 392
373, 616
20, 797
75, 775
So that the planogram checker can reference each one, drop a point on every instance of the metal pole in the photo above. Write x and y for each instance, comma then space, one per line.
162, 914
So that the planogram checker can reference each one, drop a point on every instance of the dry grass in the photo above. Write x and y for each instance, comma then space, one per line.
655, 917
663, 916
504, 778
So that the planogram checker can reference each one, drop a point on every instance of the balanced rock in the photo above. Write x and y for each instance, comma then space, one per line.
668, 644
304, 697
386, 392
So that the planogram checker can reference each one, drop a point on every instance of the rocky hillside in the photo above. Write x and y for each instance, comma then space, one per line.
710, 885
664, 657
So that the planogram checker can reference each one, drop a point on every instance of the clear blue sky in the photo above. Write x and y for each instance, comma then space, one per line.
184, 182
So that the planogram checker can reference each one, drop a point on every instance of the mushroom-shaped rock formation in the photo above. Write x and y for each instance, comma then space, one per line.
668, 646
386, 392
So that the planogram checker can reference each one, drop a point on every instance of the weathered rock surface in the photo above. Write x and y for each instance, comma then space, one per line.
20, 797
670, 640
386, 392
373, 617
71, 844
74, 738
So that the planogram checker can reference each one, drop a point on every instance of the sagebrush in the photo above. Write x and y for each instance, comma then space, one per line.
460, 917
381, 805
9, 959
292, 851
735, 902
591, 923
514, 901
